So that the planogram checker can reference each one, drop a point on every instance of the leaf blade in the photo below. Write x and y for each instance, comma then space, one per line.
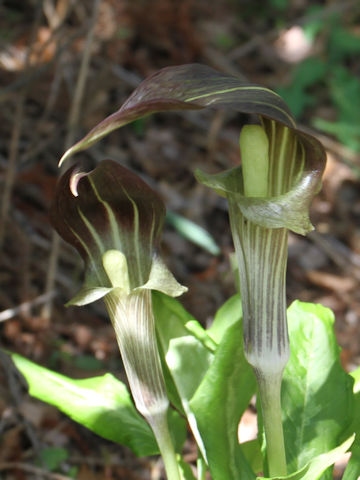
317, 393
227, 387
102, 404
318, 465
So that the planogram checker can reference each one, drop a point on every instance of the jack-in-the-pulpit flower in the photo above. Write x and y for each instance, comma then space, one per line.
114, 220
268, 195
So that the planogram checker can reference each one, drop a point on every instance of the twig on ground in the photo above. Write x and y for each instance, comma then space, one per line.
25, 306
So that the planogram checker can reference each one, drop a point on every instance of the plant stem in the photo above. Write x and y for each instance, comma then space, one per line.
159, 425
270, 397
133, 320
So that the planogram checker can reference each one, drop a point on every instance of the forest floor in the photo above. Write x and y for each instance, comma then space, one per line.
307, 51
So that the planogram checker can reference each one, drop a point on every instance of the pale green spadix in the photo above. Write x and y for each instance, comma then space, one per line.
116, 268
254, 147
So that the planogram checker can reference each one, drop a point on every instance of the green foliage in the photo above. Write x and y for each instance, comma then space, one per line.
187, 358
317, 393
52, 457
213, 387
342, 43
330, 73
185, 470
345, 93
318, 465
196, 234
252, 451
225, 41
306, 74
225, 317
279, 4
218, 404
352, 471
101, 404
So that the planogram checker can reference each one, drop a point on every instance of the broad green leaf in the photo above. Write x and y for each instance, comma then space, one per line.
187, 359
228, 314
218, 404
318, 465
317, 398
101, 404
171, 323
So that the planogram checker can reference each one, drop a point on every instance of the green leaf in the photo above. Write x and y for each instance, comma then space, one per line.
318, 465
346, 132
178, 428
196, 234
305, 75
355, 426
253, 455
352, 471
101, 404
187, 359
356, 376
345, 95
228, 314
342, 43
317, 397
52, 457
218, 404
185, 470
